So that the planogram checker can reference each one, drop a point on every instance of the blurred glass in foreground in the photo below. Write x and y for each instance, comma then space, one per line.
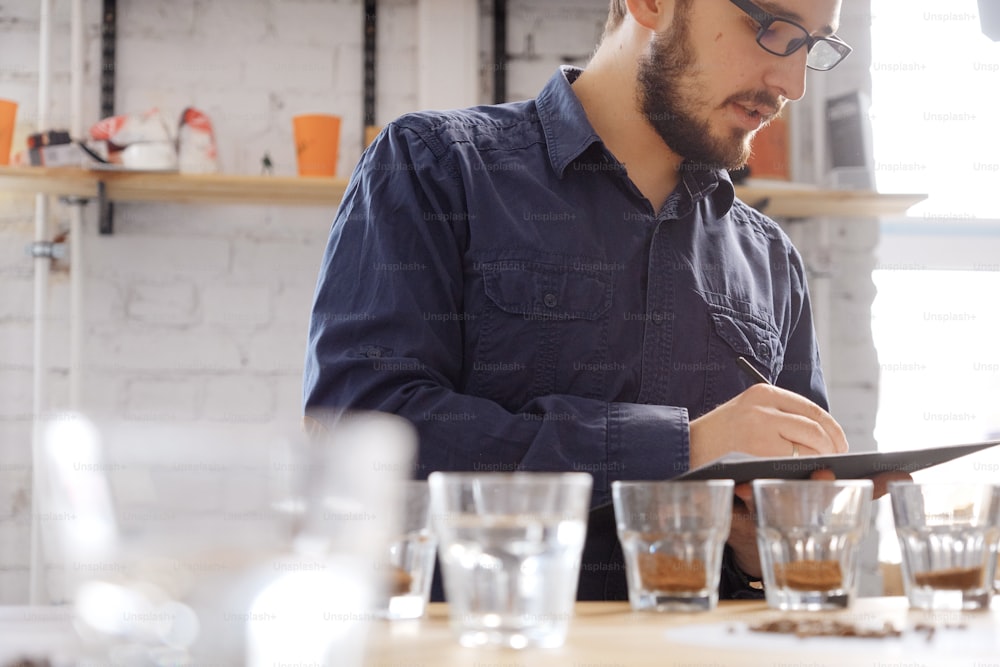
224, 544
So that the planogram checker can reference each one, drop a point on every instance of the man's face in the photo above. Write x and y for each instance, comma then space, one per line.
707, 87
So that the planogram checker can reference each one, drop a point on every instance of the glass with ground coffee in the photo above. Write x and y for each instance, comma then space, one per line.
948, 534
808, 534
672, 536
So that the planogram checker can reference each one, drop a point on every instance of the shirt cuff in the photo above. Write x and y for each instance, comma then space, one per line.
734, 583
646, 442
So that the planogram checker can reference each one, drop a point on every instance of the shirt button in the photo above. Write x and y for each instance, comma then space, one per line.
658, 317
550, 300
762, 350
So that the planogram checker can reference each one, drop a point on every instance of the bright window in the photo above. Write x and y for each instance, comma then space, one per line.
936, 130
937, 339
935, 115
937, 342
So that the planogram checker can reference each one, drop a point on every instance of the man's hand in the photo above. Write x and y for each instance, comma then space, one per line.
766, 421
743, 531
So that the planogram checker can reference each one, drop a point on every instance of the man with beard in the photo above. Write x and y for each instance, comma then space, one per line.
566, 283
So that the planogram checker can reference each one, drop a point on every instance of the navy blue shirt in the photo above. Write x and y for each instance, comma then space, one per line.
495, 276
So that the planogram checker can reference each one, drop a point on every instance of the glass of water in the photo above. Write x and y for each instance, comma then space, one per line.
808, 536
406, 571
948, 534
510, 546
673, 535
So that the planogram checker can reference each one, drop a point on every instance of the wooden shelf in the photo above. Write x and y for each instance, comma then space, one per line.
784, 200
124, 186
778, 200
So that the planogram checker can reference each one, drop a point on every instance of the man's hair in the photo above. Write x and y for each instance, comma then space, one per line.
617, 11
616, 14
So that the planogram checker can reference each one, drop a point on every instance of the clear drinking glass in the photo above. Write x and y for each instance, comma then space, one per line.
673, 535
948, 535
510, 547
808, 534
408, 566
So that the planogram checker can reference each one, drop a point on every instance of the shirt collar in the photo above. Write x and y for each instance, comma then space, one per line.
701, 182
568, 133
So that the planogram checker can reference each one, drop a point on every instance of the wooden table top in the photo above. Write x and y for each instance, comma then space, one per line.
609, 634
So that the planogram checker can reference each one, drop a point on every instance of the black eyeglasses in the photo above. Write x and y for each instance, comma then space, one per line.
783, 38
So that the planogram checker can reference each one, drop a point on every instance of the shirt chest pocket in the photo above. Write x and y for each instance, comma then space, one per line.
544, 292
735, 332
544, 330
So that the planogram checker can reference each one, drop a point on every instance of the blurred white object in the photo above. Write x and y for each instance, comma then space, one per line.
77, 500
143, 139
126, 129
181, 537
317, 612
159, 156
196, 151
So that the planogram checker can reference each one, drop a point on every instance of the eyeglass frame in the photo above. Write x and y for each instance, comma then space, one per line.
766, 18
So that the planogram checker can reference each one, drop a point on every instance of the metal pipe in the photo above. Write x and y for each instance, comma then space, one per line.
76, 267
109, 49
370, 53
76, 62
37, 592
499, 51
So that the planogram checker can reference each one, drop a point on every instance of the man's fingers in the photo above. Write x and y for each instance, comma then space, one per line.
802, 432
881, 481
789, 401
765, 421
744, 492
805, 423
820, 427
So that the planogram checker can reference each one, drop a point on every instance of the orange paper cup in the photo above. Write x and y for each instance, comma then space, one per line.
8, 112
317, 138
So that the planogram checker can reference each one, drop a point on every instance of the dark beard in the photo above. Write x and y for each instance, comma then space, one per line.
668, 99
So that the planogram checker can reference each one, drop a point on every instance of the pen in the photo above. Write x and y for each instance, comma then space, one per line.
751, 372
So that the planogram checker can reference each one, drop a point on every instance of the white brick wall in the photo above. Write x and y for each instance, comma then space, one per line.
200, 312
192, 312
543, 35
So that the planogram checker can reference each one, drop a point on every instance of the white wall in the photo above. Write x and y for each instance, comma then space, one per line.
200, 312
192, 312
